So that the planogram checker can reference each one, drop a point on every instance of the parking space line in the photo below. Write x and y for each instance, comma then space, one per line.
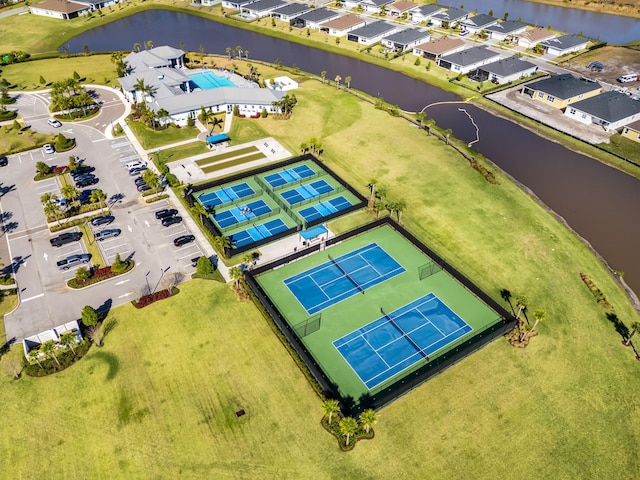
28, 299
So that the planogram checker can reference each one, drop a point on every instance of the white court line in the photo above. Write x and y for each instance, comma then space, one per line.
28, 299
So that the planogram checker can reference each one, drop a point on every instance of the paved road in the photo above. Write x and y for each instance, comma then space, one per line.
45, 301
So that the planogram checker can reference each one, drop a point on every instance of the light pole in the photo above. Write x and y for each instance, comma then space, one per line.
162, 272
146, 277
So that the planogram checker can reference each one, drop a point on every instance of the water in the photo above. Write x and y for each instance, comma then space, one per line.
599, 202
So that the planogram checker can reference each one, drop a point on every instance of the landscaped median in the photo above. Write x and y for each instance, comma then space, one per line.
86, 277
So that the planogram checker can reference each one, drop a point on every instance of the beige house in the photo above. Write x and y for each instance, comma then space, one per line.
632, 131
531, 37
434, 49
559, 91
59, 9
339, 27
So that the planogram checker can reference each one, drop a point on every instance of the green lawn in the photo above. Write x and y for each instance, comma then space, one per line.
150, 138
13, 141
158, 400
182, 151
7, 304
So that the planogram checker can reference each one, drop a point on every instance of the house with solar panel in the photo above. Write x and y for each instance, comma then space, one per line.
405, 39
561, 90
314, 19
478, 23
467, 60
505, 70
449, 17
610, 110
371, 33
506, 30
563, 45
439, 47
340, 26
290, 11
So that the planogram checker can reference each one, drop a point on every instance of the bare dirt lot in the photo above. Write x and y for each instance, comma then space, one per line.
617, 61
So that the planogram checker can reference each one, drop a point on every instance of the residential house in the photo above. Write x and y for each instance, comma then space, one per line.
55, 334
632, 131
288, 12
371, 33
369, 6
401, 7
314, 18
506, 30
236, 4
59, 9
342, 25
531, 37
434, 49
468, 60
405, 39
424, 12
262, 8
449, 17
477, 23
611, 110
565, 44
561, 90
95, 4
505, 70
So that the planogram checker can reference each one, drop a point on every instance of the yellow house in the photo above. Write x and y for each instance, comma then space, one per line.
560, 90
632, 131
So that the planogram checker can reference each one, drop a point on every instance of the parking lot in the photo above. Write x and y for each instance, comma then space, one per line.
45, 300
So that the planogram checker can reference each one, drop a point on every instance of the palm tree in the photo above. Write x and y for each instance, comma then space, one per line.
635, 327
401, 205
144, 89
228, 50
205, 115
246, 54
421, 117
222, 243
68, 339
347, 79
378, 207
215, 122
162, 114
200, 210
304, 147
136, 47
429, 124
236, 275
539, 315
247, 259
447, 134
42, 168
521, 304
52, 209
70, 192
98, 196
34, 355
348, 427
151, 178
337, 79
48, 348
372, 188
323, 75
239, 50
391, 206
149, 44
330, 407
47, 198
368, 419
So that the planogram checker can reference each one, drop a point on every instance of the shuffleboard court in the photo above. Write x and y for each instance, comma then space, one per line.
343, 277
241, 213
323, 209
226, 195
289, 175
305, 192
257, 232
398, 340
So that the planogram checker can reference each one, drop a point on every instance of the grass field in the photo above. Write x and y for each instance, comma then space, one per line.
150, 138
7, 304
159, 399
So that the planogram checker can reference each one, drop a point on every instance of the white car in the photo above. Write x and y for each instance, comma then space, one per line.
134, 164
54, 123
48, 148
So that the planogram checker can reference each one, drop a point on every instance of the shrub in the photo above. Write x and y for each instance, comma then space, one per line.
191, 122
89, 316
205, 266
149, 299
118, 265
63, 143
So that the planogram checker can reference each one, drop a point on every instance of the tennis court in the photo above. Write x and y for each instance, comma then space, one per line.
226, 195
258, 232
305, 192
324, 209
241, 213
289, 175
342, 277
401, 338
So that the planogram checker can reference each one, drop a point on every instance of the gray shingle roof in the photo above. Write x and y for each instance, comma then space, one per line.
479, 21
564, 42
374, 29
564, 86
217, 96
609, 106
507, 66
292, 9
451, 15
469, 56
262, 5
407, 36
427, 10
319, 15
507, 27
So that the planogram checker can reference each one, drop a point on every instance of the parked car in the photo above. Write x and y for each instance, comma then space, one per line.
167, 212
64, 238
135, 164
83, 176
137, 171
183, 240
107, 233
144, 187
102, 220
48, 148
168, 221
54, 123
82, 170
73, 260
86, 182
139, 181
4, 161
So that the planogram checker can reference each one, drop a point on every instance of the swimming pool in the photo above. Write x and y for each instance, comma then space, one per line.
209, 80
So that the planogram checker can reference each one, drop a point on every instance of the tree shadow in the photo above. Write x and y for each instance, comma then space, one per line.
4, 189
116, 198
7, 228
4, 349
506, 296
620, 327
104, 309
129, 257
15, 265
110, 360
365, 401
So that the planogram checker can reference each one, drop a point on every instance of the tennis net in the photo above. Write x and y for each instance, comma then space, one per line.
403, 333
344, 272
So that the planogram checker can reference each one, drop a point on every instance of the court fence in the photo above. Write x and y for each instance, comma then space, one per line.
276, 198
233, 203
308, 326
428, 269
315, 199
315, 175
270, 213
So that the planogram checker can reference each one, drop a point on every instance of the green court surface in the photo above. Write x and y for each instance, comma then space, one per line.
226, 156
345, 316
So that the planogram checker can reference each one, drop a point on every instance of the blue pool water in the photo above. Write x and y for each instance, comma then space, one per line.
209, 80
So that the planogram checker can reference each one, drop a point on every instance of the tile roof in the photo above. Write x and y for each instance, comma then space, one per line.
537, 34
62, 6
440, 45
346, 21
469, 56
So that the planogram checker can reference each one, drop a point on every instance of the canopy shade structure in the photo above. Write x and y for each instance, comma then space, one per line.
314, 232
219, 138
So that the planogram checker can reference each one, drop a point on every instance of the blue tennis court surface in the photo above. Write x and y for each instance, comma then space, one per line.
326, 284
398, 340
240, 213
324, 209
226, 195
258, 232
304, 192
289, 175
